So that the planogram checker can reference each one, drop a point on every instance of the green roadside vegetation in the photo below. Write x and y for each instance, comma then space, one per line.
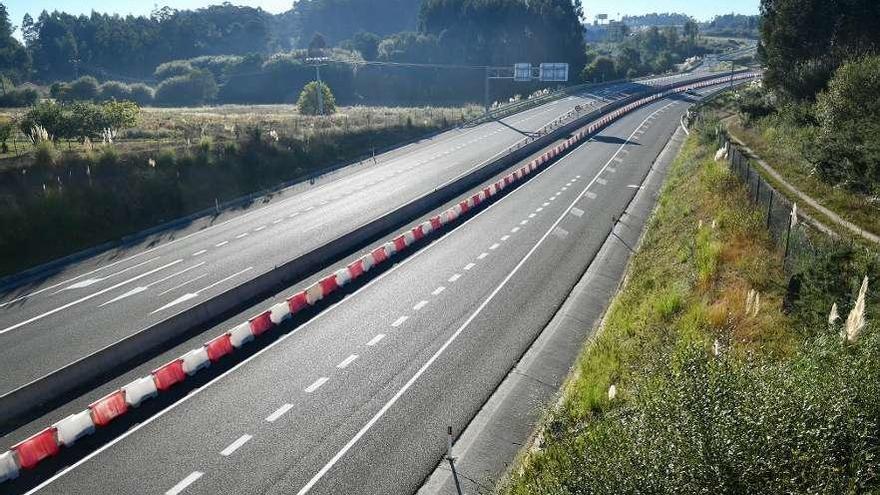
709, 374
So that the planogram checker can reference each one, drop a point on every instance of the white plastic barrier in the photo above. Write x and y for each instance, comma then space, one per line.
343, 276
279, 312
408, 237
197, 359
427, 228
367, 262
241, 335
314, 293
390, 250
8, 466
74, 427
140, 389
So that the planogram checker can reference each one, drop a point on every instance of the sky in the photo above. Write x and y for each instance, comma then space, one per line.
701, 9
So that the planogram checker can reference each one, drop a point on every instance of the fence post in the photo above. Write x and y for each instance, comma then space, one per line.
758, 190
770, 209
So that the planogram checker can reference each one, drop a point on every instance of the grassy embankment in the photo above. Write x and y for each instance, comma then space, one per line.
713, 392
178, 161
785, 147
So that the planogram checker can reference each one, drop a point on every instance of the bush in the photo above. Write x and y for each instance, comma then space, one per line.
175, 68
85, 88
141, 94
45, 154
849, 118
19, 97
308, 99
115, 90
196, 88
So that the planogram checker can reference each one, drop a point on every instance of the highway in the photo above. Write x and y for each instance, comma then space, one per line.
357, 399
47, 324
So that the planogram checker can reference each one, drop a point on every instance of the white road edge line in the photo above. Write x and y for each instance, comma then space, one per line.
228, 451
323, 471
281, 339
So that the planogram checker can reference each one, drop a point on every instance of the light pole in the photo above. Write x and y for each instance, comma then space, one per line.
319, 89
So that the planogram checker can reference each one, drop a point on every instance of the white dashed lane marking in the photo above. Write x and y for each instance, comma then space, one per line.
399, 321
505, 237
189, 480
438, 290
278, 413
454, 277
420, 305
228, 451
261, 227
494, 246
221, 244
241, 236
482, 256
469, 266
316, 385
375, 340
577, 212
199, 253
345, 362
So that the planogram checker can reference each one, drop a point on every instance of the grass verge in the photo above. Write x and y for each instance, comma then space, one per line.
715, 389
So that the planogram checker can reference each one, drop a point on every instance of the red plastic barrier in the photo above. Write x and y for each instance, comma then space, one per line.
167, 375
464, 207
508, 180
218, 347
328, 285
36, 448
260, 323
108, 408
436, 223
297, 302
476, 199
488, 191
356, 268
524, 171
379, 255
417, 232
399, 243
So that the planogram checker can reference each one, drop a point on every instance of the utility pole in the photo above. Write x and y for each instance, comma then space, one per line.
486, 95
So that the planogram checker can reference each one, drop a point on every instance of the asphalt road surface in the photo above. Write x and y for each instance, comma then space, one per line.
357, 399
48, 324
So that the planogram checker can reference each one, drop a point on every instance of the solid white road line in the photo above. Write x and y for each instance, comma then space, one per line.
82, 284
279, 412
420, 305
316, 385
228, 451
375, 340
376, 417
189, 480
345, 362
86, 298
399, 321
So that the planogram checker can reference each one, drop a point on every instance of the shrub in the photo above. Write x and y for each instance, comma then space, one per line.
6, 130
196, 88
19, 97
45, 154
175, 68
141, 94
115, 90
85, 88
308, 99
849, 141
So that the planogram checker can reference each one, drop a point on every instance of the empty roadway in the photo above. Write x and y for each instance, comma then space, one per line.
357, 399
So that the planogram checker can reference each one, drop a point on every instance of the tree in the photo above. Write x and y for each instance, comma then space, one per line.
691, 30
141, 94
804, 41
600, 70
15, 62
849, 137
114, 90
308, 99
172, 69
367, 44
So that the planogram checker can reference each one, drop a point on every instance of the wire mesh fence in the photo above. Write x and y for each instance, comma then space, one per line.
792, 232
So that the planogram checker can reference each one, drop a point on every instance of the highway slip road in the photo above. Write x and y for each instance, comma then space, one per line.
357, 399
47, 325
